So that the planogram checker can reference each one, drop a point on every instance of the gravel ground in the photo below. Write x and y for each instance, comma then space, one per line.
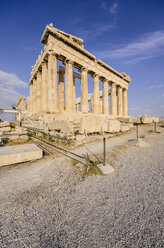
51, 204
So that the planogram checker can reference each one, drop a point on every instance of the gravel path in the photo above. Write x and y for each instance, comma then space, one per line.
50, 204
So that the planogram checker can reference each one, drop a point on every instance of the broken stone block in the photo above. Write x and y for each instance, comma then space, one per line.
19, 153
149, 119
114, 126
61, 125
124, 127
4, 124
13, 137
127, 119
94, 124
17, 138
16, 133
24, 137
5, 129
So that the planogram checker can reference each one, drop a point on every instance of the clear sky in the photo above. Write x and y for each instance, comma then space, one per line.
126, 34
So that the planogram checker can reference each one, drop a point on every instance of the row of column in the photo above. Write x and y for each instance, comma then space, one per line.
118, 103
44, 91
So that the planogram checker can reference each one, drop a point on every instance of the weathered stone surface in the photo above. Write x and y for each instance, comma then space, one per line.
16, 133
21, 104
24, 137
80, 137
81, 123
5, 129
136, 120
125, 119
19, 153
20, 129
62, 125
18, 138
114, 126
124, 127
34, 124
13, 137
105, 170
4, 124
149, 119
92, 124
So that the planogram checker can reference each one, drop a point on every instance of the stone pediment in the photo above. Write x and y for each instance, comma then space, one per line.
55, 31
125, 76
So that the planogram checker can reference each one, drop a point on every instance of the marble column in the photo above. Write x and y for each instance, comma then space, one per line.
69, 87
119, 101
96, 94
61, 91
38, 104
125, 103
74, 94
100, 106
92, 103
113, 100
44, 87
31, 97
52, 83
84, 90
105, 102
34, 96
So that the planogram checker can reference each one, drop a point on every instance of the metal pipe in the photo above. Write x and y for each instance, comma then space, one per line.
57, 149
155, 126
104, 142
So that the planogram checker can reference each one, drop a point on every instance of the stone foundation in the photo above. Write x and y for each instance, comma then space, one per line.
75, 124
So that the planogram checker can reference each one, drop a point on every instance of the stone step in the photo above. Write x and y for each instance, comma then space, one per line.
19, 153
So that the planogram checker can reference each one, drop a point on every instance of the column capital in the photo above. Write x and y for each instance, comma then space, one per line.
50, 52
105, 80
43, 62
112, 84
39, 72
124, 89
34, 77
68, 61
96, 75
83, 69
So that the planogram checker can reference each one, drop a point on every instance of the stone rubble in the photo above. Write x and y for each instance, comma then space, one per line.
9, 132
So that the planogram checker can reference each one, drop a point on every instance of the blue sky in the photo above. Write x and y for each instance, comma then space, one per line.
126, 34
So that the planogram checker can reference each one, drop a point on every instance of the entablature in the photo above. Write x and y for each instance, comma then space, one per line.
65, 48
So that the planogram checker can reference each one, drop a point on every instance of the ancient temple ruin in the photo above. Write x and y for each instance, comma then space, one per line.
57, 97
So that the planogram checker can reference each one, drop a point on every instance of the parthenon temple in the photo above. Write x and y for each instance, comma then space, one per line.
53, 87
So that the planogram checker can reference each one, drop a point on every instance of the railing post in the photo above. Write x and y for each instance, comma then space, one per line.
155, 126
104, 142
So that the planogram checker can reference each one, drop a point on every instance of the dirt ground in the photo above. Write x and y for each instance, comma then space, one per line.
51, 203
